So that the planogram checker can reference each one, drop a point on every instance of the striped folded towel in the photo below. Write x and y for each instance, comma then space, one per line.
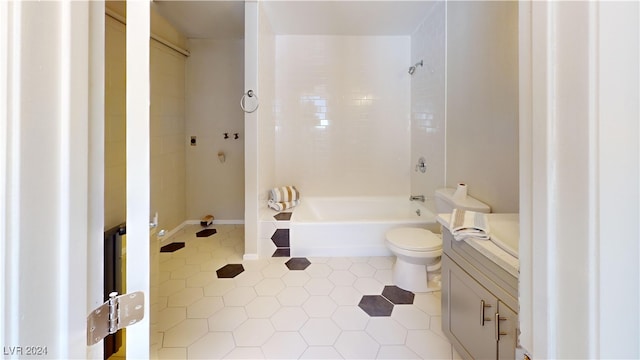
284, 194
282, 205
469, 224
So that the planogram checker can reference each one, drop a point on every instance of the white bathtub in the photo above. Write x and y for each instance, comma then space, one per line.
353, 226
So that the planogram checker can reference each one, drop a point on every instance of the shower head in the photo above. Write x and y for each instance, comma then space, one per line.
413, 68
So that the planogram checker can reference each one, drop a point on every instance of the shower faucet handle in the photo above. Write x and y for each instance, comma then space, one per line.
421, 166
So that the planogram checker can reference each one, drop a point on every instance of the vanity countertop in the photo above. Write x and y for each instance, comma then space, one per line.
502, 249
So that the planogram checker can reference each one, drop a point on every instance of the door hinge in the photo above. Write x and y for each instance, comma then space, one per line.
116, 313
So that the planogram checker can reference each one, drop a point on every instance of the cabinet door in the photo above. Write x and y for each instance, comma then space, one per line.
506, 332
472, 314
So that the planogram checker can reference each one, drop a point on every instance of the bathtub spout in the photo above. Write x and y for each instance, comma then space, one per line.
416, 197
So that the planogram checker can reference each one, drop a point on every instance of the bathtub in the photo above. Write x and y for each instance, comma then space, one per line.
353, 226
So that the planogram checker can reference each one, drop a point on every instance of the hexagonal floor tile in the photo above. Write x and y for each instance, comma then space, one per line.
262, 307
269, 287
350, 318
214, 345
319, 306
185, 297
411, 317
386, 331
376, 305
282, 252
172, 247
206, 232
342, 278
290, 318
240, 296
397, 295
293, 296
357, 345
283, 216
253, 332
320, 332
362, 270
284, 345
185, 333
295, 278
298, 263
227, 319
205, 307
319, 286
229, 271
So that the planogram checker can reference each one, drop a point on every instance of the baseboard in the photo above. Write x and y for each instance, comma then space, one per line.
220, 222
250, 257
164, 240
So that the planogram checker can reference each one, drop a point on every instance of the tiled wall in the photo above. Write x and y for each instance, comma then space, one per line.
214, 87
428, 120
342, 114
482, 101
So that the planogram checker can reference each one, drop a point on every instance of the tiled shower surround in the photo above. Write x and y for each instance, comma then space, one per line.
342, 114
215, 305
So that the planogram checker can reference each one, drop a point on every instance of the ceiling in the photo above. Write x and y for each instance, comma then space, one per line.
225, 19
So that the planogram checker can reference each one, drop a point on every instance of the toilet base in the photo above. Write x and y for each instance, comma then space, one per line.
413, 277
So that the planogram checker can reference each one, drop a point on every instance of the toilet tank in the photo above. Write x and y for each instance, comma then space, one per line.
445, 202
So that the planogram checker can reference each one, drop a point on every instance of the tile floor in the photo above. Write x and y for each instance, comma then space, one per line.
268, 311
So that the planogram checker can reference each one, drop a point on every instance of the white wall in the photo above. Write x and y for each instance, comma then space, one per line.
266, 116
482, 101
342, 114
428, 125
214, 86
115, 148
167, 122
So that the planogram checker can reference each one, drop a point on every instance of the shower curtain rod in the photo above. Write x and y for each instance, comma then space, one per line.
117, 17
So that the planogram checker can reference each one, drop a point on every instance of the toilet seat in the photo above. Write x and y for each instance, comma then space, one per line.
414, 239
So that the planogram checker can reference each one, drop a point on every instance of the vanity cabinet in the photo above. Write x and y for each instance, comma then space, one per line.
478, 302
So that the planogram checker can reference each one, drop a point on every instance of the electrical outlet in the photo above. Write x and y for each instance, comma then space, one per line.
193, 141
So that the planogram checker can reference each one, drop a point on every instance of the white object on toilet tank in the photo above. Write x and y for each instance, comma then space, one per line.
446, 201
461, 192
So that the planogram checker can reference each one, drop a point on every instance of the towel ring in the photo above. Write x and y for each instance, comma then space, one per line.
250, 94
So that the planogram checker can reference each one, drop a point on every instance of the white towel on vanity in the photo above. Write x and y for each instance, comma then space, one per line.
469, 224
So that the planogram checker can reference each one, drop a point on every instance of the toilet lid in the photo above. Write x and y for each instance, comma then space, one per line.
415, 239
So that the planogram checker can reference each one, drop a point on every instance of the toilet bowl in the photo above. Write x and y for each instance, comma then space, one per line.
417, 252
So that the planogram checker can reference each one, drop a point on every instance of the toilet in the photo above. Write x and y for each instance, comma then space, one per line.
418, 251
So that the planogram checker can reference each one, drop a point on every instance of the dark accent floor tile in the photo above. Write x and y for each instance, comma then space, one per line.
281, 238
172, 247
376, 305
229, 271
205, 232
298, 263
283, 252
397, 295
283, 216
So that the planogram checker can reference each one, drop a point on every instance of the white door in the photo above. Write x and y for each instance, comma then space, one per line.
51, 176
138, 160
